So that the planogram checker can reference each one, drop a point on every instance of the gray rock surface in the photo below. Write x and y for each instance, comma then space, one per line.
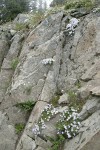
76, 58
64, 99
91, 127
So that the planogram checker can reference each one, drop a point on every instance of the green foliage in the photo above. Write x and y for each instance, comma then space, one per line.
20, 26
54, 100
74, 101
48, 112
14, 63
78, 84
58, 143
19, 128
10, 8
26, 106
37, 18
87, 4
53, 10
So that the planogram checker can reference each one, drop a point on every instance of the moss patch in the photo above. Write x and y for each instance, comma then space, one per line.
87, 4
75, 102
54, 100
19, 128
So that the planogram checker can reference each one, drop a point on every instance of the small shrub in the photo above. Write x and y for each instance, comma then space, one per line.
36, 18
14, 63
54, 10
19, 128
87, 4
26, 106
20, 26
54, 100
74, 101
78, 84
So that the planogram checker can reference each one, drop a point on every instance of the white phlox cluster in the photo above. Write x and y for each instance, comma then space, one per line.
72, 25
36, 129
68, 124
48, 61
69, 120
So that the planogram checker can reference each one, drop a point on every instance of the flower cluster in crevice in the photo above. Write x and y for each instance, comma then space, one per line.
68, 125
48, 112
48, 61
72, 25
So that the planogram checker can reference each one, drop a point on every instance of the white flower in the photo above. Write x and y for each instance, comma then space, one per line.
48, 61
71, 26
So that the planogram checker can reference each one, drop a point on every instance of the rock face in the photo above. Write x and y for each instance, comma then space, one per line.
75, 66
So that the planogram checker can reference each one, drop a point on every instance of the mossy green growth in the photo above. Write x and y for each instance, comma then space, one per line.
78, 84
87, 4
36, 18
20, 26
54, 100
19, 127
58, 143
74, 101
26, 106
14, 63
54, 10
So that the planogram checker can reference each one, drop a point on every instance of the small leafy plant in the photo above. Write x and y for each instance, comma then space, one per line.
14, 63
54, 100
78, 84
26, 106
87, 4
58, 143
20, 26
36, 18
74, 101
19, 128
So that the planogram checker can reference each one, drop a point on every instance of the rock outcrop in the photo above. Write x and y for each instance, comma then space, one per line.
47, 61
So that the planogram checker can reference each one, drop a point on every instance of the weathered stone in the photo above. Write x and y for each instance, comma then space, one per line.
26, 143
44, 144
96, 91
79, 12
91, 72
83, 93
76, 57
90, 127
63, 99
13, 32
49, 88
22, 18
7, 133
89, 108
40, 148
